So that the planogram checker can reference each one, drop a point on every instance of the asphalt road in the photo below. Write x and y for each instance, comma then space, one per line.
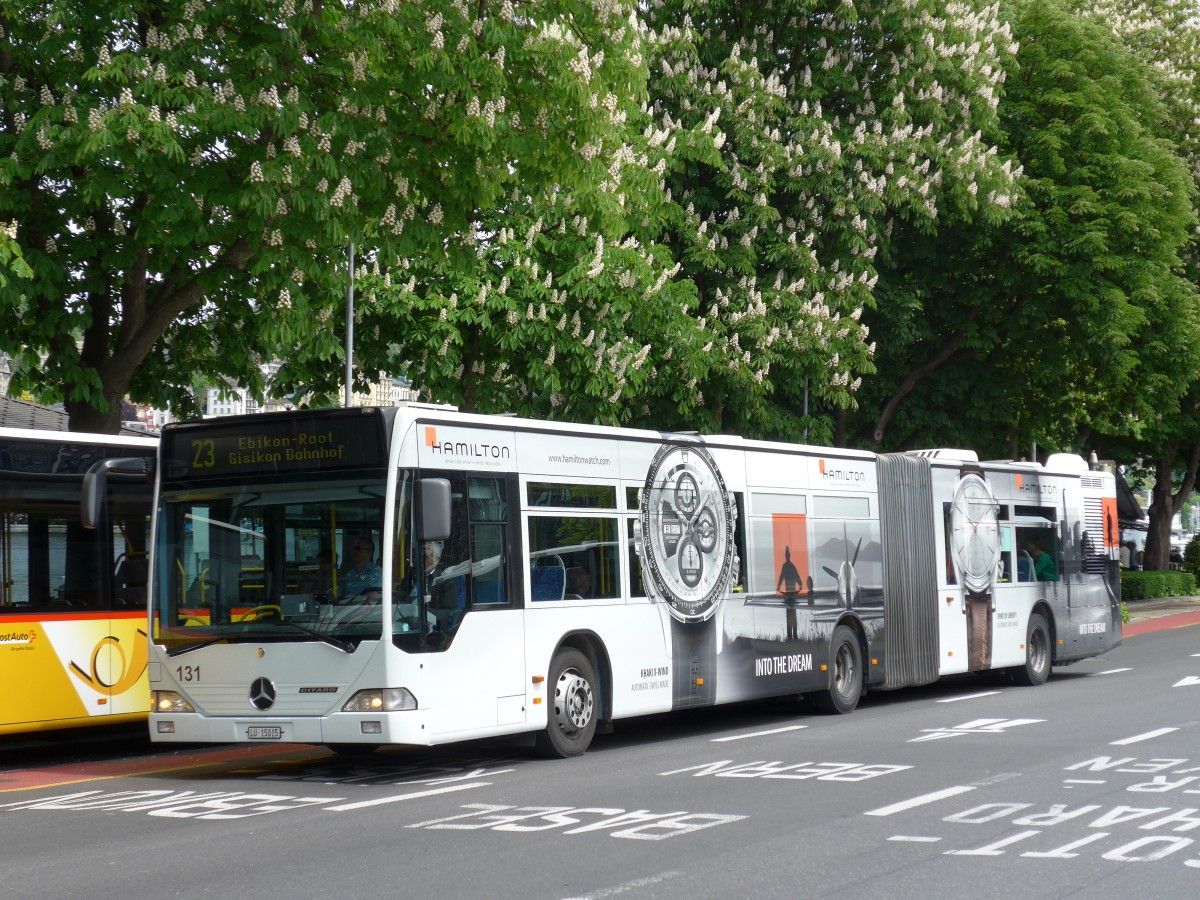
1086, 786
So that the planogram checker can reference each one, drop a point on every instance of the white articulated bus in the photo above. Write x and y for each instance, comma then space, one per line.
416, 575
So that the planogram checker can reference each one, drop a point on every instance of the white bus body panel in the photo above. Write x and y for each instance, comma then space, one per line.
478, 684
493, 677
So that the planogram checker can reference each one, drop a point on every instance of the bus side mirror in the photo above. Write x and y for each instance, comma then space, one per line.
433, 504
95, 484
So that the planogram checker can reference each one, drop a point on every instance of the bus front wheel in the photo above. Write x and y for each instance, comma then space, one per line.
845, 674
572, 706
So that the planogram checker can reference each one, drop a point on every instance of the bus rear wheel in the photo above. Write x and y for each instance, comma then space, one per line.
1037, 654
572, 712
845, 674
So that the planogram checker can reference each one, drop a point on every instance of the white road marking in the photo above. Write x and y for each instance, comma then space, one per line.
1110, 672
998, 778
1084, 781
1142, 737
924, 799
976, 726
914, 839
414, 795
628, 886
738, 737
1191, 679
994, 848
968, 697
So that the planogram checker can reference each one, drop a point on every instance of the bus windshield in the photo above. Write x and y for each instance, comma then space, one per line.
270, 560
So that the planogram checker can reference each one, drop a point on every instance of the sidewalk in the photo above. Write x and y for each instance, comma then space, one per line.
1147, 610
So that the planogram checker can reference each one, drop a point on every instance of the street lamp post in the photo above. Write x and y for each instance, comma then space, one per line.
350, 333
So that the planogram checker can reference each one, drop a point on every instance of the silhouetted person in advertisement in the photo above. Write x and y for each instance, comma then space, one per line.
789, 585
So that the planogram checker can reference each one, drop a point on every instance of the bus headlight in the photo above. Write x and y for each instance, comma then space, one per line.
168, 702
385, 700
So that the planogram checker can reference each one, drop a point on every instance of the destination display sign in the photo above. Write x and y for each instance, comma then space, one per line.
274, 444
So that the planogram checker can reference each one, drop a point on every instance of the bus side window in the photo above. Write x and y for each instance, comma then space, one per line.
1037, 543
473, 558
573, 557
487, 562
636, 588
489, 545
739, 540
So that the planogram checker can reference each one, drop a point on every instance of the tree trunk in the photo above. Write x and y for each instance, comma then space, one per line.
470, 355
1158, 537
144, 320
945, 354
1165, 502
82, 416
839, 427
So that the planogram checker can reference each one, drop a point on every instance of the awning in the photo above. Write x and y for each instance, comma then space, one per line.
1129, 511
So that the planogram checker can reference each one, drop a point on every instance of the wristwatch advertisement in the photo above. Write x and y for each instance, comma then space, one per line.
685, 539
975, 549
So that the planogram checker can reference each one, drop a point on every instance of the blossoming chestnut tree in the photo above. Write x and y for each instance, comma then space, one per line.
185, 176
553, 299
842, 125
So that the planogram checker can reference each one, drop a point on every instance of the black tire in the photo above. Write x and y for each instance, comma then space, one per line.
352, 751
573, 706
1037, 654
845, 674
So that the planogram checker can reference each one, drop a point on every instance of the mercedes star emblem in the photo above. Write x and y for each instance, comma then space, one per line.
262, 693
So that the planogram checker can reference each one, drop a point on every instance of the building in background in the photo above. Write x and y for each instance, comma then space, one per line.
231, 399
6, 372
387, 391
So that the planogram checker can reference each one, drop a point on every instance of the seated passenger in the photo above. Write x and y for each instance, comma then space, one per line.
445, 592
1044, 567
320, 582
579, 582
431, 559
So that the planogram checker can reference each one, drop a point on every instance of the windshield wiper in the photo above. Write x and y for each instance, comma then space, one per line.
180, 649
344, 646
338, 643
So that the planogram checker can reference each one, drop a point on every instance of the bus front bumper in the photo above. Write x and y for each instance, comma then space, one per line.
408, 727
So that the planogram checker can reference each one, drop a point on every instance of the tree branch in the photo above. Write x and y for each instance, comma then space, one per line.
935, 362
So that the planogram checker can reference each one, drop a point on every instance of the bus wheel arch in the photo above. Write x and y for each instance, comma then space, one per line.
576, 696
847, 650
1039, 648
1043, 608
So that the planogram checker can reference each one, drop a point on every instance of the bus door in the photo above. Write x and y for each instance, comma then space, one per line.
117, 664
476, 643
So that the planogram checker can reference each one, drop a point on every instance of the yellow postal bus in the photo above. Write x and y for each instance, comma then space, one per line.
72, 600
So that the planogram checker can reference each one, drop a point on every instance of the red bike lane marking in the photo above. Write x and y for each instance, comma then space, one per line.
1181, 620
76, 773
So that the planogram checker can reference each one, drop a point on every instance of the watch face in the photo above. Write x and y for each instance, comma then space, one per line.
687, 521
974, 533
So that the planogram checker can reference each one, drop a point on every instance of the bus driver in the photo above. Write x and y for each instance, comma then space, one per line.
361, 575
